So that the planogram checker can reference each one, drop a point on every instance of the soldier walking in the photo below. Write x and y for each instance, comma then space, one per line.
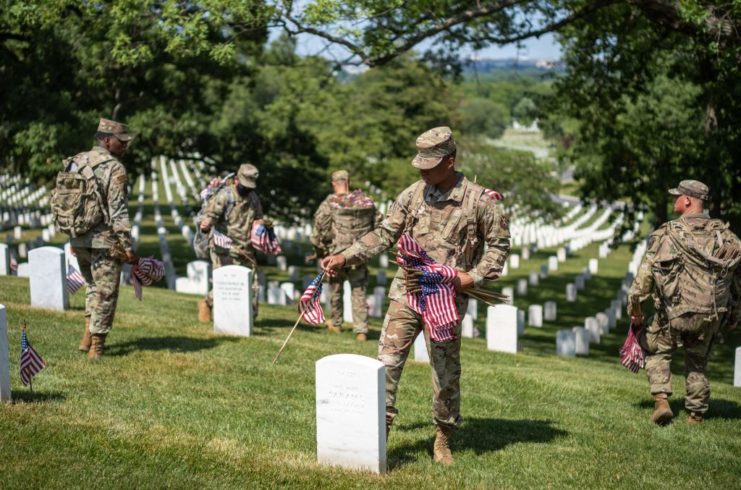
231, 213
340, 220
691, 271
452, 219
100, 232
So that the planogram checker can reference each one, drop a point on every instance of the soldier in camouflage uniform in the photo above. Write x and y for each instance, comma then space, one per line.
232, 212
453, 220
692, 301
342, 218
101, 251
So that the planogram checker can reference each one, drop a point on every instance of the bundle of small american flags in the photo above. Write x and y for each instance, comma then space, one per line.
31, 363
147, 271
309, 305
632, 355
75, 280
221, 240
264, 240
354, 199
435, 300
209, 189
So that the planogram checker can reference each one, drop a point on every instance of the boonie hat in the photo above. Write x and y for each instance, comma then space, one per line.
433, 146
692, 188
247, 175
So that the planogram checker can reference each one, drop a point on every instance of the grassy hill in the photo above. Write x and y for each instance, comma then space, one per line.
173, 405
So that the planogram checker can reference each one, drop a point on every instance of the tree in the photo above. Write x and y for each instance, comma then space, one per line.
525, 111
479, 116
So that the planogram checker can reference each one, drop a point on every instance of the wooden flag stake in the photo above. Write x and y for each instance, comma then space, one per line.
294, 328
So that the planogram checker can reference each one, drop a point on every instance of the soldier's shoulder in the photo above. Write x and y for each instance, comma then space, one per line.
405, 196
483, 200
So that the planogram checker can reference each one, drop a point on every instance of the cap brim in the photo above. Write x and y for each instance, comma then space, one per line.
675, 192
248, 183
426, 163
125, 137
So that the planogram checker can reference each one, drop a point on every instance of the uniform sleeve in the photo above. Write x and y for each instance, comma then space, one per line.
643, 284
321, 234
118, 205
385, 235
215, 207
494, 227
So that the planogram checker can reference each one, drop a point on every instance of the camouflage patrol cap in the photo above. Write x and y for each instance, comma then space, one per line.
433, 146
692, 188
247, 175
340, 175
117, 129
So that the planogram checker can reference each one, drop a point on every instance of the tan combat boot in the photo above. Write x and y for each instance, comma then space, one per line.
695, 418
333, 328
96, 346
361, 337
662, 414
441, 448
85, 342
204, 311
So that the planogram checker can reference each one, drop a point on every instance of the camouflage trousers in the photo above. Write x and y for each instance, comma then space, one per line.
358, 278
400, 327
246, 259
661, 341
102, 274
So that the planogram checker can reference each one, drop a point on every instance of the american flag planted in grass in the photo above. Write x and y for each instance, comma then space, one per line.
31, 363
147, 271
434, 297
264, 240
309, 305
75, 280
632, 355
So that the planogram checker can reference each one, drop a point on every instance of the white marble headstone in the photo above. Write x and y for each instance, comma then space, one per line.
571, 292
381, 278
467, 327
522, 287
501, 328
379, 293
289, 290
592, 326
514, 261
48, 276
533, 278
561, 254
282, 263
552, 263
579, 282
543, 271
581, 336
383, 261
565, 343
535, 315
525, 253
593, 266
233, 300
510, 293
520, 322
23, 270
603, 321
198, 272
5, 395
351, 412
4, 260
737, 368
346, 302
420, 349
473, 308
550, 311
293, 272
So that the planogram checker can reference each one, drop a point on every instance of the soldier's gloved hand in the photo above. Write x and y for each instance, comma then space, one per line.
332, 264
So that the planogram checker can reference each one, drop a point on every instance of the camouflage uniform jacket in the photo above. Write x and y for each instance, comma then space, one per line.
326, 238
233, 216
452, 227
660, 248
111, 175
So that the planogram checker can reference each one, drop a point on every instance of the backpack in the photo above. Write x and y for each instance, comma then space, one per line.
76, 201
353, 215
694, 270
200, 239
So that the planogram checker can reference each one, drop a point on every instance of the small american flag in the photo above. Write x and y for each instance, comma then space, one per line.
13, 264
436, 299
493, 194
221, 240
264, 240
31, 362
147, 271
309, 305
632, 355
74, 280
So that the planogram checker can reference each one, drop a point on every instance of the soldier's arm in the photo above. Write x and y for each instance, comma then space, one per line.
118, 200
214, 210
321, 234
494, 227
643, 284
384, 236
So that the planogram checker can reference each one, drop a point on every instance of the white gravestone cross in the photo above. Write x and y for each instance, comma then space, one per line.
351, 412
233, 300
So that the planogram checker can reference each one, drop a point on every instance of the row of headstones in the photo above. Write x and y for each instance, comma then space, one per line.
33, 217
170, 276
21, 196
548, 235
185, 230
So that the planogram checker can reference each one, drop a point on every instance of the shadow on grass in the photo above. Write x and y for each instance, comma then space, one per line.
173, 344
719, 409
480, 435
28, 396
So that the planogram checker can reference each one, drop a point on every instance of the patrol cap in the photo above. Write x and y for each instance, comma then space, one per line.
340, 175
692, 188
247, 175
433, 146
117, 129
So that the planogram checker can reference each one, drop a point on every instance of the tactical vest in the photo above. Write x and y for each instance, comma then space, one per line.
349, 224
77, 202
693, 269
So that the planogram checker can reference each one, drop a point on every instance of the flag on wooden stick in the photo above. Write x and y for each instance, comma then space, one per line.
75, 280
309, 305
31, 363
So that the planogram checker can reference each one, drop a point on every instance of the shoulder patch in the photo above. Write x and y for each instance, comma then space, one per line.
121, 180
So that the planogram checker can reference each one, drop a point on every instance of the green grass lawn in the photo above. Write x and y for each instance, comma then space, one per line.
173, 405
